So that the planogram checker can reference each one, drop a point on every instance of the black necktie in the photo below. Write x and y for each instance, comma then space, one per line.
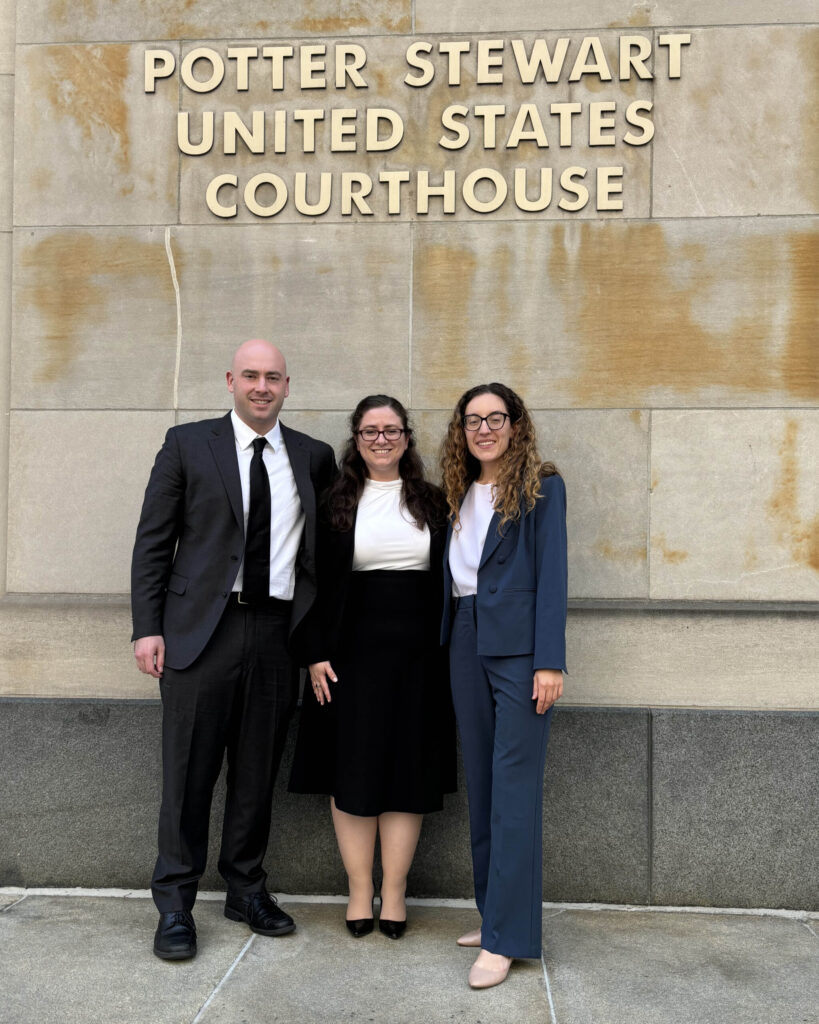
257, 540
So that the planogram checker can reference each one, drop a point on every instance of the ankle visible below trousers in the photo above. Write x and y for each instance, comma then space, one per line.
503, 741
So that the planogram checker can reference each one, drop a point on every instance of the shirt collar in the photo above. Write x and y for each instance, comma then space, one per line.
245, 435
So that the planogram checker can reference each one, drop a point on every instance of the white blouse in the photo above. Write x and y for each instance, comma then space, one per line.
466, 546
386, 536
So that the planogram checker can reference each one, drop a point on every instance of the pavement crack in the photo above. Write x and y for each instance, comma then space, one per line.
15, 904
201, 1015
552, 1014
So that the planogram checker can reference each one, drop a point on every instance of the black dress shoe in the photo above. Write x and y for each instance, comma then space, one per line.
392, 929
261, 912
175, 937
360, 927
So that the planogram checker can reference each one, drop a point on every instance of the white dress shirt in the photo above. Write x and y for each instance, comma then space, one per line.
286, 513
466, 546
386, 536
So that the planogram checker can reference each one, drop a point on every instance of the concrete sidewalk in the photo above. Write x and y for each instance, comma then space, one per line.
68, 956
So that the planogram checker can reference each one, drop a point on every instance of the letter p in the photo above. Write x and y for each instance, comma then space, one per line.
158, 64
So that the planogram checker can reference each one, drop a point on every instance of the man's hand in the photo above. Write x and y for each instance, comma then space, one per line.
149, 652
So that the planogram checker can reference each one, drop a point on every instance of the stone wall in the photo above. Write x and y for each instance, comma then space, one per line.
668, 349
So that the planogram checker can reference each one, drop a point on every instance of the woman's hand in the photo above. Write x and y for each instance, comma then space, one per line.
546, 689
321, 675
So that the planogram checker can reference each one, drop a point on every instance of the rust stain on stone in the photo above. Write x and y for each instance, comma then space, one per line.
671, 555
398, 25
616, 554
660, 295
445, 276
317, 19
751, 560
640, 17
41, 179
87, 85
783, 506
330, 24
800, 364
636, 416
74, 281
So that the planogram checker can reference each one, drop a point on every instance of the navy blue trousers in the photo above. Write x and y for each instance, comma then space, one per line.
503, 741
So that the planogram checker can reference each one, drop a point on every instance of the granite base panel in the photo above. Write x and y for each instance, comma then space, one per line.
640, 806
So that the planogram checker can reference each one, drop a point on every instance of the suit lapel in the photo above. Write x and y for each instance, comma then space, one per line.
493, 538
223, 446
300, 464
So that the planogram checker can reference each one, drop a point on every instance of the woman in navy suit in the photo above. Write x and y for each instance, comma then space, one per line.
505, 570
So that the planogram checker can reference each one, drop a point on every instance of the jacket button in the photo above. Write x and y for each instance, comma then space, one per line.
224, 593
493, 590
234, 558
502, 559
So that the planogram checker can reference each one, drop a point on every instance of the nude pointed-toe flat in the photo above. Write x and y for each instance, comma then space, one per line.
470, 939
482, 977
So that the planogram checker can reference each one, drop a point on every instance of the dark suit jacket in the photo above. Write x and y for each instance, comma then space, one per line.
522, 583
190, 538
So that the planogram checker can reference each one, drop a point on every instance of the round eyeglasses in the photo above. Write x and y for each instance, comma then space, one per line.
371, 433
495, 421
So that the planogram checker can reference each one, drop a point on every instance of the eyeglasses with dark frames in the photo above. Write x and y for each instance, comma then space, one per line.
495, 421
372, 433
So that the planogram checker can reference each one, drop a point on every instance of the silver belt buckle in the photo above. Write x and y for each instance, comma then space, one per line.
239, 598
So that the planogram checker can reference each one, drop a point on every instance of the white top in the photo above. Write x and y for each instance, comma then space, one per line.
386, 536
466, 546
286, 513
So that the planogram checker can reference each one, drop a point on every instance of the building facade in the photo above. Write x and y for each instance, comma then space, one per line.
609, 206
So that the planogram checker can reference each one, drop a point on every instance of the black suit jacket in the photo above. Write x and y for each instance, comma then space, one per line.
190, 538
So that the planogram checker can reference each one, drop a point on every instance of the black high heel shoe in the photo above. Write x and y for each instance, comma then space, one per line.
362, 925
392, 929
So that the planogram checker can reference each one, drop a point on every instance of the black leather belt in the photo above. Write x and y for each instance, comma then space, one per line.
270, 603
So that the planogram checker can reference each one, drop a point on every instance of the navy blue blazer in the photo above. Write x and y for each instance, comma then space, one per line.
522, 583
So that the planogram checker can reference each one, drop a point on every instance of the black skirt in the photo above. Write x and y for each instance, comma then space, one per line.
386, 742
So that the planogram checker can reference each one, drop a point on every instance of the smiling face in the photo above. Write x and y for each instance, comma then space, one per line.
259, 384
381, 455
486, 445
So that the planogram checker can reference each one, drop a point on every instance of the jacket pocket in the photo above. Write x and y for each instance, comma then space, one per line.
177, 584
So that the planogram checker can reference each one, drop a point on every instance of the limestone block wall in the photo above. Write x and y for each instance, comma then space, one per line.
668, 348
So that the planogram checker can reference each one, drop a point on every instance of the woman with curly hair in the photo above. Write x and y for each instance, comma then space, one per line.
505, 568
377, 730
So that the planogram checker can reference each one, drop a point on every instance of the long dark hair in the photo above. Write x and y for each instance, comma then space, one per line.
423, 500
521, 470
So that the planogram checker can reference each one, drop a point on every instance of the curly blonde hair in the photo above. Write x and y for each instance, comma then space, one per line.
517, 487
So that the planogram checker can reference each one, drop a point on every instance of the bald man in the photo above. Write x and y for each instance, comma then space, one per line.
223, 572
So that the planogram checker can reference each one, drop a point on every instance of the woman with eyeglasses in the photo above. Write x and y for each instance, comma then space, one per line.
505, 570
377, 730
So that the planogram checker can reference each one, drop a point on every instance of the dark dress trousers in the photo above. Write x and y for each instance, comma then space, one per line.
228, 684
514, 625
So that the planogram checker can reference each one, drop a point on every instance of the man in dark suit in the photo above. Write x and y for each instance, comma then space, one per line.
223, 572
